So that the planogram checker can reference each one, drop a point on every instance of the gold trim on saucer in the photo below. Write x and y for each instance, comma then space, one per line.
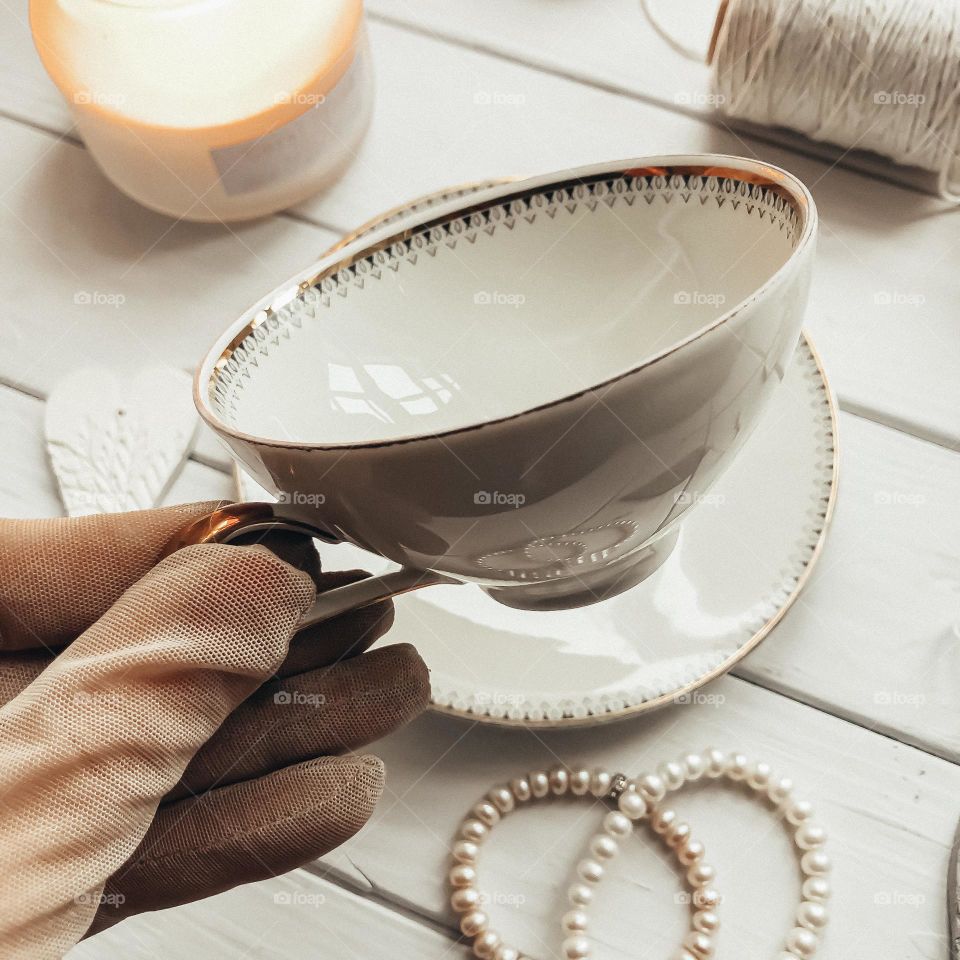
676, 695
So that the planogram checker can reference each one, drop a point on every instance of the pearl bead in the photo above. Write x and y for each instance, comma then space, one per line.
694, 766
600, 783
810, 835
707, 921
632, 804
485, 944
816, 888
780, 789
690, 853
815, 863
474, 923
716, 761
699, 944
465, 851
651, 787
474, 830
502, 799
590, 870
604, 847
574, 921
462, 875
758, 776
465, 899
661, 820
617, 825
576, 948
678, 833
539, 784
706, 898
672, 774
520, 788
700, 874
503, 952
580, 895
559, 781
811, 915
802, 942
737, 767
486, 812
799, 811
579, 781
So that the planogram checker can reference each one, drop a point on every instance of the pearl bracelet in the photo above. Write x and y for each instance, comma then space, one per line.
640, 799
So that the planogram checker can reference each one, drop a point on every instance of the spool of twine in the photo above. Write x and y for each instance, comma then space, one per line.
875, 75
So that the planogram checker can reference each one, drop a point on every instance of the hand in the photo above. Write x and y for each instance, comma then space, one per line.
161, 739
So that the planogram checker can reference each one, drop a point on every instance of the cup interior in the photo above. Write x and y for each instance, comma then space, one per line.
511, 300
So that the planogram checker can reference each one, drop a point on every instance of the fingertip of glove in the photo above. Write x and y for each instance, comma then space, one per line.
343, 790
408, 674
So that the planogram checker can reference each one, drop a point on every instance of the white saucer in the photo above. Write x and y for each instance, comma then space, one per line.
744, 555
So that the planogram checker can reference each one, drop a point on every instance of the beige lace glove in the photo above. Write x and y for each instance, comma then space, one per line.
144, 760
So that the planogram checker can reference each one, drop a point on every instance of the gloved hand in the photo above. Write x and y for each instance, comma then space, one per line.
160, 738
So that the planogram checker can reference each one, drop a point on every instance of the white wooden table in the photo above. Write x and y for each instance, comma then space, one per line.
855, 694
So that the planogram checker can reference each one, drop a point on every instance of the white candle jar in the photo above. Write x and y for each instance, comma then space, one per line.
212, 109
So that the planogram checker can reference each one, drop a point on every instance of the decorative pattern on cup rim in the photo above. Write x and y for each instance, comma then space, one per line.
765, 194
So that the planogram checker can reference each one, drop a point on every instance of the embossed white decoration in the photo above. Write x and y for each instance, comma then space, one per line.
116, 443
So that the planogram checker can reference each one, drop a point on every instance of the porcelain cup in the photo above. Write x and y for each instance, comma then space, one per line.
524, 387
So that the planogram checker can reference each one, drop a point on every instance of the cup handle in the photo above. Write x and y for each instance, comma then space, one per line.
227, 523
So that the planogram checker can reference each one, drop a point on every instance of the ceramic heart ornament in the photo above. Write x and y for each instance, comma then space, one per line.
117, 442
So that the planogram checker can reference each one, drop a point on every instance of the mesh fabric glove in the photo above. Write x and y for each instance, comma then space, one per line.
161, 739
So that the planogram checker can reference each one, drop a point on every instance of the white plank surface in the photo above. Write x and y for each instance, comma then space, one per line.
876, 635
890, 811
869, 659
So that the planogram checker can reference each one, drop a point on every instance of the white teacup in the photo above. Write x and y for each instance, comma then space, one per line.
523, 387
